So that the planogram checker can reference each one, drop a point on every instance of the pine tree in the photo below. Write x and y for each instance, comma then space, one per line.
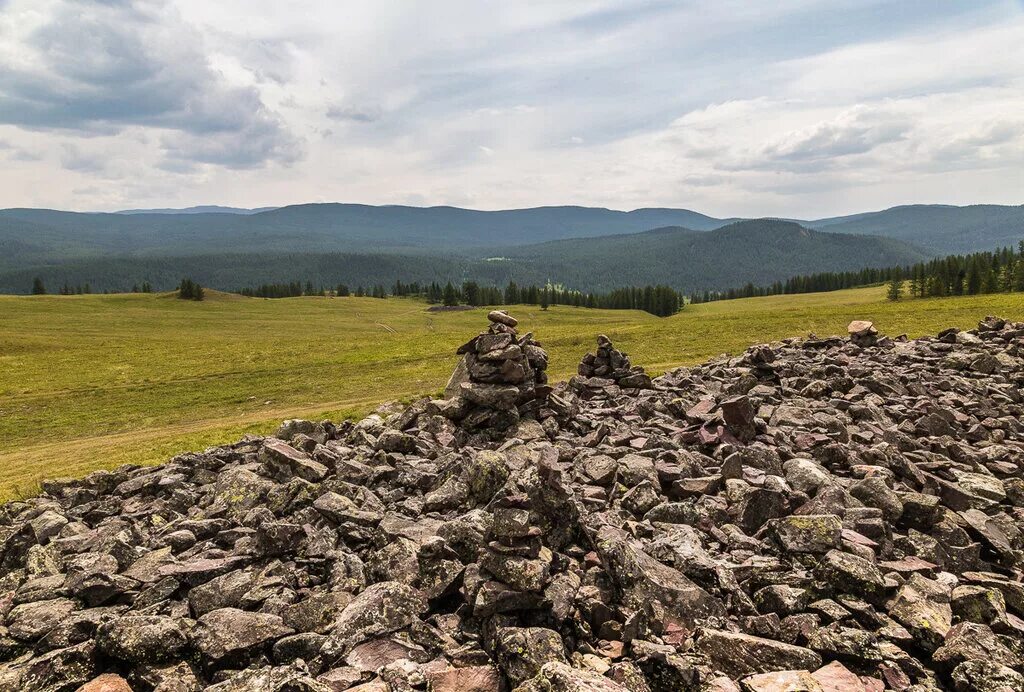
190, 290
450, 296
511, 293
895, 289
471, 292
38, 289
545, 298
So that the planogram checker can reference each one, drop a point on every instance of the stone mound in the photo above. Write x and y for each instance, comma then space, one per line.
814, 514
609, 363
500, 380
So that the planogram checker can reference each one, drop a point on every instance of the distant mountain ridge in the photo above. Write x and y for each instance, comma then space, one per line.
942, 228
58, 236
202, 209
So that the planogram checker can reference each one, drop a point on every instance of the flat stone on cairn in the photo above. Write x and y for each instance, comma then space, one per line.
609, 363
500, 379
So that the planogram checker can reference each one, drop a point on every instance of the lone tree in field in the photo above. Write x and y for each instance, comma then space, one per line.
190, 290
38, 289
895, 289
545, 298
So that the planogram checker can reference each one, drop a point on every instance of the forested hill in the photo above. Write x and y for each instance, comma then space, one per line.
760, 251
940, 228
42, 236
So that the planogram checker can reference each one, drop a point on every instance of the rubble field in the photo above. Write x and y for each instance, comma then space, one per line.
838, 514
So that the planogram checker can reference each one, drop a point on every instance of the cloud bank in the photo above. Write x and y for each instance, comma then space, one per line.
804, 108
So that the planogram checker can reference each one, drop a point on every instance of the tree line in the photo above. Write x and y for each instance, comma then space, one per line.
39, 288
657, 300
999, 271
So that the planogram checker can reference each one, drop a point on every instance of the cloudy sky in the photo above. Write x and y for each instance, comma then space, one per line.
798, 108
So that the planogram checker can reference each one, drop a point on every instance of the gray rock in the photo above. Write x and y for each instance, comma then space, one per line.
738, 655
380, 609
142, 638
522, 652
283, 461
230, 632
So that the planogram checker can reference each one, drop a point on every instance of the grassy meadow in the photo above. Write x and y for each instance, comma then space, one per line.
90, 382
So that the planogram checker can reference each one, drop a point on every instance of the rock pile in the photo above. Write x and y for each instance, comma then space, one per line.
500, 379
811, 515
609, 363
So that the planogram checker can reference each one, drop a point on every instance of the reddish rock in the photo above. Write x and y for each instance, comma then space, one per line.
469, 679
108, 682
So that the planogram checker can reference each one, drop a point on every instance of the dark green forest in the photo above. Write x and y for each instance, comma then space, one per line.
1000, 271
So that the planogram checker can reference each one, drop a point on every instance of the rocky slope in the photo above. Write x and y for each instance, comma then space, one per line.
817, 514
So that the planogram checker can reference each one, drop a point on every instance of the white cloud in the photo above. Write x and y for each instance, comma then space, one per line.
73, 66
797, 108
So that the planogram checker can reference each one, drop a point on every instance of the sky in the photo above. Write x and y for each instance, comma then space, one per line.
798, 108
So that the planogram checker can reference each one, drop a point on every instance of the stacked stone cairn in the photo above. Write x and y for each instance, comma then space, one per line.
500, 380
813, 515
609, 363
515, 558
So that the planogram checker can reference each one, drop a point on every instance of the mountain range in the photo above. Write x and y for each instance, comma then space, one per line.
580, 247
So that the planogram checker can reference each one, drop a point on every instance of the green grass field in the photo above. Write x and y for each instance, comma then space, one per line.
90, 382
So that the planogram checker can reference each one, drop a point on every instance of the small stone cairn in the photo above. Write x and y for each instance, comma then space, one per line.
515, 557
609, 363
500, 379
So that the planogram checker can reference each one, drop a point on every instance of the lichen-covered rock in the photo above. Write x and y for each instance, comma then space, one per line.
522, 652
230, 632
738, 655
560, 677
853, 574
283, 461
381, 608
142, 638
